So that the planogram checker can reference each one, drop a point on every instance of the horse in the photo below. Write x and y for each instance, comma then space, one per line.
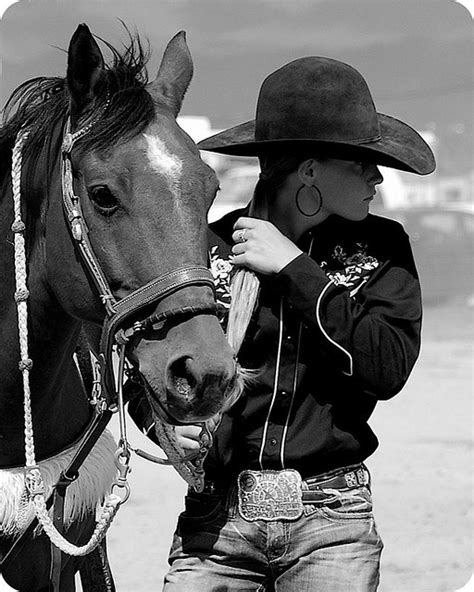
114, 198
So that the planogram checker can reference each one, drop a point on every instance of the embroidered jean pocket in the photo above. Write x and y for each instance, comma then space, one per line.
355, 504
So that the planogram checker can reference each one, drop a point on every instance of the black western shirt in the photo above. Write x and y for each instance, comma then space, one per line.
350, 308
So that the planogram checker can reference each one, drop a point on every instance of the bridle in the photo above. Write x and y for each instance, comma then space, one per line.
114, 329
108, 393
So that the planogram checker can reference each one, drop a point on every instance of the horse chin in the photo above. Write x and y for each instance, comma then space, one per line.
188, 411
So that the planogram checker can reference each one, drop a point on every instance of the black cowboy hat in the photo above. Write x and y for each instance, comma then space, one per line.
317, 102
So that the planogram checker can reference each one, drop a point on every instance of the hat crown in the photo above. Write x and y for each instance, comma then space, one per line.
316, 98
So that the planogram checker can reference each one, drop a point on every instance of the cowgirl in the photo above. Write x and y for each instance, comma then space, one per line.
287, 504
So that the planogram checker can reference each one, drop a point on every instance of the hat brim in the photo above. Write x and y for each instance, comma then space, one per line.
399, 147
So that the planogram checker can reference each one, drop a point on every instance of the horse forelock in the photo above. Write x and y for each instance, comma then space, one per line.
41, 103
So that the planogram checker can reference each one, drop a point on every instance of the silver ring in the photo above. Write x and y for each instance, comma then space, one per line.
241, 238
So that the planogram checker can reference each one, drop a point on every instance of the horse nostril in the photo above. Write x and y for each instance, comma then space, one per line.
182, 377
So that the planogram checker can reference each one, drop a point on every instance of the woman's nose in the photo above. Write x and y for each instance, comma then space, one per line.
375, 176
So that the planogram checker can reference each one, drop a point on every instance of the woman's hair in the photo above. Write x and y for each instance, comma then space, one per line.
276, 167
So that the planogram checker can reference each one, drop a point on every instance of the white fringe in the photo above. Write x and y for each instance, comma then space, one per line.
83, 495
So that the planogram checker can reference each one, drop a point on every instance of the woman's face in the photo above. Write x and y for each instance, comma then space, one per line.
346, 187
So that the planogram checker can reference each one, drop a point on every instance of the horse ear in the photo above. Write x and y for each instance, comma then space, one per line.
85, 71
174, 74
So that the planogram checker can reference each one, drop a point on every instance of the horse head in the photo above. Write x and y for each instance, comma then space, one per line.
144, 193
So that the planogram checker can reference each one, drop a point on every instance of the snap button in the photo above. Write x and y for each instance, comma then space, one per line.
273, 441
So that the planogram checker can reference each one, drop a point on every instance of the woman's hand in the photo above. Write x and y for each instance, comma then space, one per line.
187, 436
261, 247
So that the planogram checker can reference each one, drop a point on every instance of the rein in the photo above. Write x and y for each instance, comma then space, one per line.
107, 389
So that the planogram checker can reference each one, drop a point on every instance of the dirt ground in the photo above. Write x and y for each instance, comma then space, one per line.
422, 477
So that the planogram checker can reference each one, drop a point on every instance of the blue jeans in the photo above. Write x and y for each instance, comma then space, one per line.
331, 548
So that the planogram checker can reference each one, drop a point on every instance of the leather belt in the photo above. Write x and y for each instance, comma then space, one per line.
342, 479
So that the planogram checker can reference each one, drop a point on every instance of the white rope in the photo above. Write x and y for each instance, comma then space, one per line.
21, 295
109, 509
33, 480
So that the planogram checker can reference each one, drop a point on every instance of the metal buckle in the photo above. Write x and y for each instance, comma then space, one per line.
270, 495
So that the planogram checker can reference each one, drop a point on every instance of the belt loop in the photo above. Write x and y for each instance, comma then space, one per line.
231, 502
368, 477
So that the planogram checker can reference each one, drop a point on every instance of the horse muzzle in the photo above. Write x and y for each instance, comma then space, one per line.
192, 374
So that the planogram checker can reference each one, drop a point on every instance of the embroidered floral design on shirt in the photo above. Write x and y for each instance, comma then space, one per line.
356, 270
221, 270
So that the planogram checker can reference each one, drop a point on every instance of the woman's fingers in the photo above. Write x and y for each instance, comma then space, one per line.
242, 235
261, 247
238, 249
244, 222
188, 436
187, 443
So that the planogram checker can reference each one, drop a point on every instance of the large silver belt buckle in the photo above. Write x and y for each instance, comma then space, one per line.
270, 495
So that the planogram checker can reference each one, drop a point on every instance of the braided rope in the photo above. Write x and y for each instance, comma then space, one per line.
33, 480
109, 510
18, 228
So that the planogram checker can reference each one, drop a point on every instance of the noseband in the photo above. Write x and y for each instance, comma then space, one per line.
115, 329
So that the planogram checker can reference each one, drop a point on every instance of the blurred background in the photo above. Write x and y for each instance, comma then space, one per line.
417, 58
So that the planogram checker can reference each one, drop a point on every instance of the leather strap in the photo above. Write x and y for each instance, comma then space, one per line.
312, 487
59, 496
349, 478
151, 293
76, 221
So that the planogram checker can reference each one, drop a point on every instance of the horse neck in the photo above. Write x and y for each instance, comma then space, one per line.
60, 409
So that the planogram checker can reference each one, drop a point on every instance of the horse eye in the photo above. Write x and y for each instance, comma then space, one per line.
103, 199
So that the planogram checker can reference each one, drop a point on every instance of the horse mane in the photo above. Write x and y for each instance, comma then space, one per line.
42, 103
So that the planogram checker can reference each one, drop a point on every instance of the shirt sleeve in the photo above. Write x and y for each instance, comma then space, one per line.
372, 336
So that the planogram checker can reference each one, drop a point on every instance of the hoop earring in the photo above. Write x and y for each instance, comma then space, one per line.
298, 196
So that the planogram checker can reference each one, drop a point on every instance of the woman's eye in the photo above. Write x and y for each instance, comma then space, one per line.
103, 199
